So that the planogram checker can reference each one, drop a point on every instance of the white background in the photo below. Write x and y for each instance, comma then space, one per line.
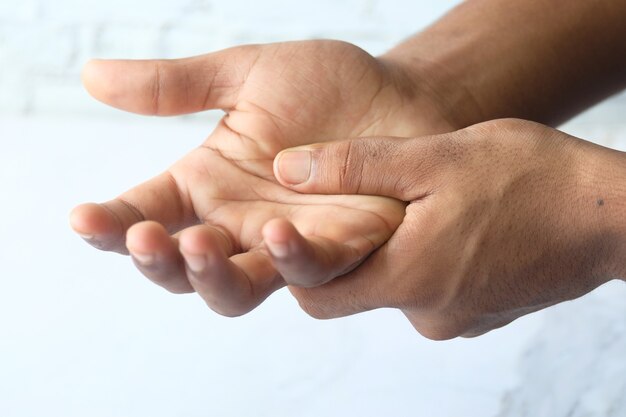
83, 334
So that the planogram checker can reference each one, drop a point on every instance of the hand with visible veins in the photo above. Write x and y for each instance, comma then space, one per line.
207, 222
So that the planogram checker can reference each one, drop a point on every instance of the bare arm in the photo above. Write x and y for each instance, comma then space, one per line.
540, 60
505, 217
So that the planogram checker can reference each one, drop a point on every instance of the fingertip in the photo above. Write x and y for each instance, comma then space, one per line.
197, 250
292, 254
155, 253
281, 238
88, 69
146, 237
77, 220
222, 285
85, 72
292, 167
310, 261
276, 169
90, 220
93, 77
207, 241
193, 240
124, 84
278, 230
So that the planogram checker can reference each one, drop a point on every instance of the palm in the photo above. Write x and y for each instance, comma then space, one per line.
276, 96
302, 92
291, 97
240, 201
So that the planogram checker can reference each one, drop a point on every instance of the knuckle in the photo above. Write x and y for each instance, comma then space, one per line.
317, 311
408, 186
347, 172
497, 127
437, 327
125, 212
439, 332
356, 163
313, 305
156, 88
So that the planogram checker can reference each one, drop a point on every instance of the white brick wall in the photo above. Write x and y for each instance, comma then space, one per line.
43, 44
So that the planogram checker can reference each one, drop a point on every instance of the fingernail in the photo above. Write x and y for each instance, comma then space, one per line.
87, 237
278, 249
294, 167
145, 259
197, 263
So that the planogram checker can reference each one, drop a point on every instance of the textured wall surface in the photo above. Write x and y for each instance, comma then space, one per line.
43, 44
81, 334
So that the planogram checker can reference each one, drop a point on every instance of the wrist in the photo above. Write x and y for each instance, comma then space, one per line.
489, 59
430, 85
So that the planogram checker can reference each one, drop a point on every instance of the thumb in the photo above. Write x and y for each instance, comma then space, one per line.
401, 168
171, 87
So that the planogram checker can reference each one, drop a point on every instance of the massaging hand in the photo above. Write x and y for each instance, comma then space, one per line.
503, 218
201, 225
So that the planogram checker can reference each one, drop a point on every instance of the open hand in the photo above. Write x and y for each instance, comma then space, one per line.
206, 223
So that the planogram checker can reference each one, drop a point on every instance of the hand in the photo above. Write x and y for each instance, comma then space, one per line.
201, 225
504, 218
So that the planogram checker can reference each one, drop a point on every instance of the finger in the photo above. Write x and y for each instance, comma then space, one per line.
378, 282
231, 287
310, 262
156, 255
171, 87
352, 293
105, 225
406, 169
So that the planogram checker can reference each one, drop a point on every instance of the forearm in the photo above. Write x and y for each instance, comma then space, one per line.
542, 60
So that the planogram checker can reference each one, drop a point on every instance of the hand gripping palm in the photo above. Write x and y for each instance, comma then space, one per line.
207, 222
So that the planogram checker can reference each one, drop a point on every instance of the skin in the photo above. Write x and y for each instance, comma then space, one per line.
537, 60
504, 218
217, 222
198, 226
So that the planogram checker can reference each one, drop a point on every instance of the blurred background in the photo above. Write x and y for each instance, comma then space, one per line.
83, 334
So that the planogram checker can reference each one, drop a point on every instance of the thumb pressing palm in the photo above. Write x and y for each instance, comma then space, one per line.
215, 222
